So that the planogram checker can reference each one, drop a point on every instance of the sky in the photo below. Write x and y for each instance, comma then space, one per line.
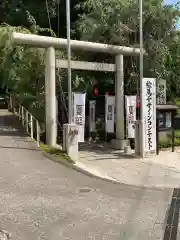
173, 2
170, 1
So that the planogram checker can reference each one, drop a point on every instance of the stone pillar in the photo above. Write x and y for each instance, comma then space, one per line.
50, 97
119, 142
70, 141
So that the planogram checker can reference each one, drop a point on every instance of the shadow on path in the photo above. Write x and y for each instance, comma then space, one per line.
103, 148
10, 125
20, 148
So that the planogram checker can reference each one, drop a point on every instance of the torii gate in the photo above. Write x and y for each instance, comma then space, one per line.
50, 44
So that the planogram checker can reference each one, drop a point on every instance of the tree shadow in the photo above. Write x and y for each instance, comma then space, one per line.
13, 133
10, 126
21, 148
101, 149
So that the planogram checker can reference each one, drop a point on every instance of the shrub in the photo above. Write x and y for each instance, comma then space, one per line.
168, 143
177, 133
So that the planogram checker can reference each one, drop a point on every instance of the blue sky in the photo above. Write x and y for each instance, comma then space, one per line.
170, 1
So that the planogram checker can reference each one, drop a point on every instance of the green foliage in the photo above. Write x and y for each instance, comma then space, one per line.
24, 12
118, 23
59, 154
167, 142
22, 68
177, 133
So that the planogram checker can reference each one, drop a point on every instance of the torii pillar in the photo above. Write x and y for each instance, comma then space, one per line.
119, 142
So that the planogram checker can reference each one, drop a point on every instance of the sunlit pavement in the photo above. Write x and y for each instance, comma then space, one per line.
162, 171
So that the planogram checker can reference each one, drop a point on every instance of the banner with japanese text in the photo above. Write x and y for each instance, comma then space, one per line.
130, 105
109, 113
79, 100
149, 116
92, 121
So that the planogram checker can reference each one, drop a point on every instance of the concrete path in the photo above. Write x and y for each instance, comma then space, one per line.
162, 171
40, 199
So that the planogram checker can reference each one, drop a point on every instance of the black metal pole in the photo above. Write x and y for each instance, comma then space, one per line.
157, 134
173, 131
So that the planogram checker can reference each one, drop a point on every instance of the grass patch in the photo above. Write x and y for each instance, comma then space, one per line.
177, 133
59, 154
167, 143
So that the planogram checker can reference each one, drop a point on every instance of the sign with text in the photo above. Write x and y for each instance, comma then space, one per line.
79, 100
149, 116
92, 121
130, 103
161, 92
109, 113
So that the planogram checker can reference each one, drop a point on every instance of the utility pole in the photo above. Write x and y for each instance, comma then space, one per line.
68, 26
58, 23
141, 76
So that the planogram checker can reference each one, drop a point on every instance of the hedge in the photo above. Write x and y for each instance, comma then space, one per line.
168, 143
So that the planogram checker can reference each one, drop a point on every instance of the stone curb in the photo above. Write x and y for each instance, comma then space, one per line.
78, 169
89, 174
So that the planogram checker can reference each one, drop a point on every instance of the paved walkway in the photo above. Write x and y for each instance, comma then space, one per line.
162, 171
40, 199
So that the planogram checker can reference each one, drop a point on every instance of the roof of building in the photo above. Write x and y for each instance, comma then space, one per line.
166, 107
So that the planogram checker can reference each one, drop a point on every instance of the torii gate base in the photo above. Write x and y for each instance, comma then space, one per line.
119, 144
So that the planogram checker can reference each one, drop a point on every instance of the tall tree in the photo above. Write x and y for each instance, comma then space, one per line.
118, 23
14, 12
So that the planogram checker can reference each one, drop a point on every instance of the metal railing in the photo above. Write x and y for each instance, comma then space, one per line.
30, 124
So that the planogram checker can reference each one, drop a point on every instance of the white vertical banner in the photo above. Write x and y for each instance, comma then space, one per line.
109, 113
130, 103
92, 111
79, 100
149, 116
161, 91
168, 120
